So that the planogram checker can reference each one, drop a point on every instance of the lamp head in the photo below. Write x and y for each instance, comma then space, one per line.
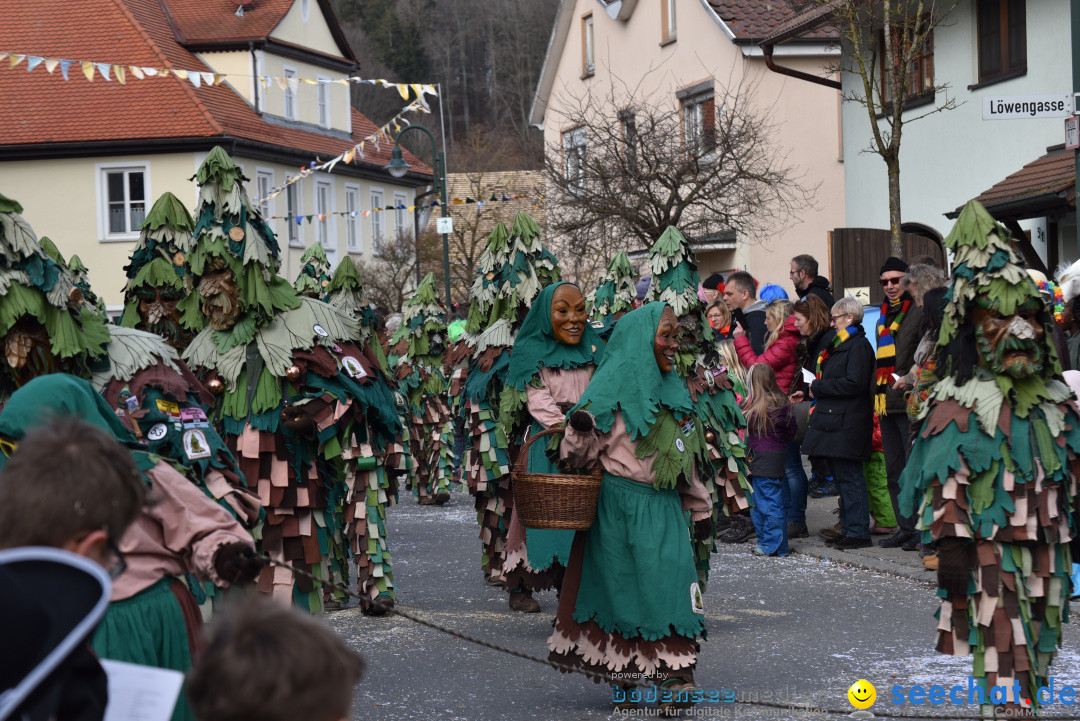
397, 166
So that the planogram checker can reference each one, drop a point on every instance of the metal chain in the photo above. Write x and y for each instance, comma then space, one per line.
602, 677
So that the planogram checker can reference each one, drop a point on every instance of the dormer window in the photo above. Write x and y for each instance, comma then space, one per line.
290, 93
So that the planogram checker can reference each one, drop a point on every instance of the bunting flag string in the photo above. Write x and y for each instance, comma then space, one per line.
356, 151
122, 72
321, 217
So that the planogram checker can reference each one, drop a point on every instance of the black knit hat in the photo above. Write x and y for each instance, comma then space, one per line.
893, 264
713, 282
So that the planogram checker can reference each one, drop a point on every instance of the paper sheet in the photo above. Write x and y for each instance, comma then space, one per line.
808, 376
140, 693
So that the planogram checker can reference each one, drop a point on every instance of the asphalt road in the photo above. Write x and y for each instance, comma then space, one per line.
800, 629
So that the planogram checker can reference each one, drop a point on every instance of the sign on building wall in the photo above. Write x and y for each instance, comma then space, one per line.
1057, 105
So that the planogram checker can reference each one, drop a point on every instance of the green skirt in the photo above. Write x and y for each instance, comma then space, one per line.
637, 575
545, 547
148, 629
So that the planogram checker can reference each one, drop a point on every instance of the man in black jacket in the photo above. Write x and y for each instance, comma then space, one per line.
807, 282
740, 294
842, 423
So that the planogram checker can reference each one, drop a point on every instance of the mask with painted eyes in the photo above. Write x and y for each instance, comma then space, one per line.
157, 309
666, 342
568, 316
220, 295
1009, 345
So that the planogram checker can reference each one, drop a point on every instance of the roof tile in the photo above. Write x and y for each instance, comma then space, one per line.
1051, 174
754, 20
40, 108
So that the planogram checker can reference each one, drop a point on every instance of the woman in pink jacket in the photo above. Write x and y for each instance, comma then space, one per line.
779, 353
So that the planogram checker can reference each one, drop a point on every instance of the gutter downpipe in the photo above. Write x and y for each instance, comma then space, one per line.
767, 51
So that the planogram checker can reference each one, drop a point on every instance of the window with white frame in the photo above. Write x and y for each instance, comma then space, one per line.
124, 190
377, 203
324, 101
667, 21
574, 159
353, 241
588, 48
401, 216
324, 207
294, 210
264, 182
290, 92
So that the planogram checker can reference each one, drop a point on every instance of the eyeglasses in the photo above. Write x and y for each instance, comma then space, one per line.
115, 564
7, 447
890, 281
838, 317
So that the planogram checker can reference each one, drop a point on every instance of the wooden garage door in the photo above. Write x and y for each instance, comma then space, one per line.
856, 255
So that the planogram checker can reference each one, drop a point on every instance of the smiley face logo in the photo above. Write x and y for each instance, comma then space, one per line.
862, 694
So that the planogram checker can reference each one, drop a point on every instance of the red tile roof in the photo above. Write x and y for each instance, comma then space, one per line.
753, 20
1049, 181
38, 109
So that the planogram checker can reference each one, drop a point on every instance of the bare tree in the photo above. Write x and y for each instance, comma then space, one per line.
390, 273
888, 45
616, 181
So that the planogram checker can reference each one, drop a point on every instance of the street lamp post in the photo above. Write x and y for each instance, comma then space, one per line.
398, 167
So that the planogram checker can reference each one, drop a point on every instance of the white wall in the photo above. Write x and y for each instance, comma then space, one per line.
950, 157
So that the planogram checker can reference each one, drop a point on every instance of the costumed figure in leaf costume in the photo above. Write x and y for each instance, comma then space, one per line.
554, 356
631, 602
44, 325
513, 269
366, 526
993, 472
159, 296
314, 277
615, 294
304, 409
152, 619
420, 380
725, 474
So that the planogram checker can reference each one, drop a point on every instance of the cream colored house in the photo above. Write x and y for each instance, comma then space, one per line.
682, 52
88, 158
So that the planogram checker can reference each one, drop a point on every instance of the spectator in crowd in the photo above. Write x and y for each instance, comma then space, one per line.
269, 662
740, 294
713, 287
736, 371
66, 485
719, 318
780, 343
771, 291
841, 425
812, 321
804, 276
898, 333
770, 428
924, 260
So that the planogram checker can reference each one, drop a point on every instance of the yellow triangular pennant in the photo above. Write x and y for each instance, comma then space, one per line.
88, 70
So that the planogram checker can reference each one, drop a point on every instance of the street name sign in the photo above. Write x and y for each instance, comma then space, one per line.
1055, 105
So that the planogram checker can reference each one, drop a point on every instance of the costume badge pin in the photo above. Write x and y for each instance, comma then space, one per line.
157, 431
320, 330
680, 445
697, 602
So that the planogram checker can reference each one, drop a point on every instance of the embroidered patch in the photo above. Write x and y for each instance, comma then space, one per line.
697, 603
353, 367
195, 444
193, 418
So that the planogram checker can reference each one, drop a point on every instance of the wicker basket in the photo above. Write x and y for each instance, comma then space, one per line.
551, 500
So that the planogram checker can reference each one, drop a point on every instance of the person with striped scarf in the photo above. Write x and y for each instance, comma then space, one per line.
897, 334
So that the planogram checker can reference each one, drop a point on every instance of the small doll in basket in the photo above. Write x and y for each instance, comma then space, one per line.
554, 356
631, 602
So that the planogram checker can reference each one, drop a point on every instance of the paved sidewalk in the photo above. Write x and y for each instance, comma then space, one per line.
894, 561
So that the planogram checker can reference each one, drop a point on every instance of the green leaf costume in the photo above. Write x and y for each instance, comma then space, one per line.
633, 602
513, 269
314, 277
159, 275
615, 294
724, 469
995, 466
557, 373
420, 380
308, 413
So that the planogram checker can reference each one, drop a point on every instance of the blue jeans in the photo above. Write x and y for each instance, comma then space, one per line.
796, 480
854, 497
770, 514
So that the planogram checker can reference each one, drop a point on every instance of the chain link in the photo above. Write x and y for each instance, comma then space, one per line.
606, 678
